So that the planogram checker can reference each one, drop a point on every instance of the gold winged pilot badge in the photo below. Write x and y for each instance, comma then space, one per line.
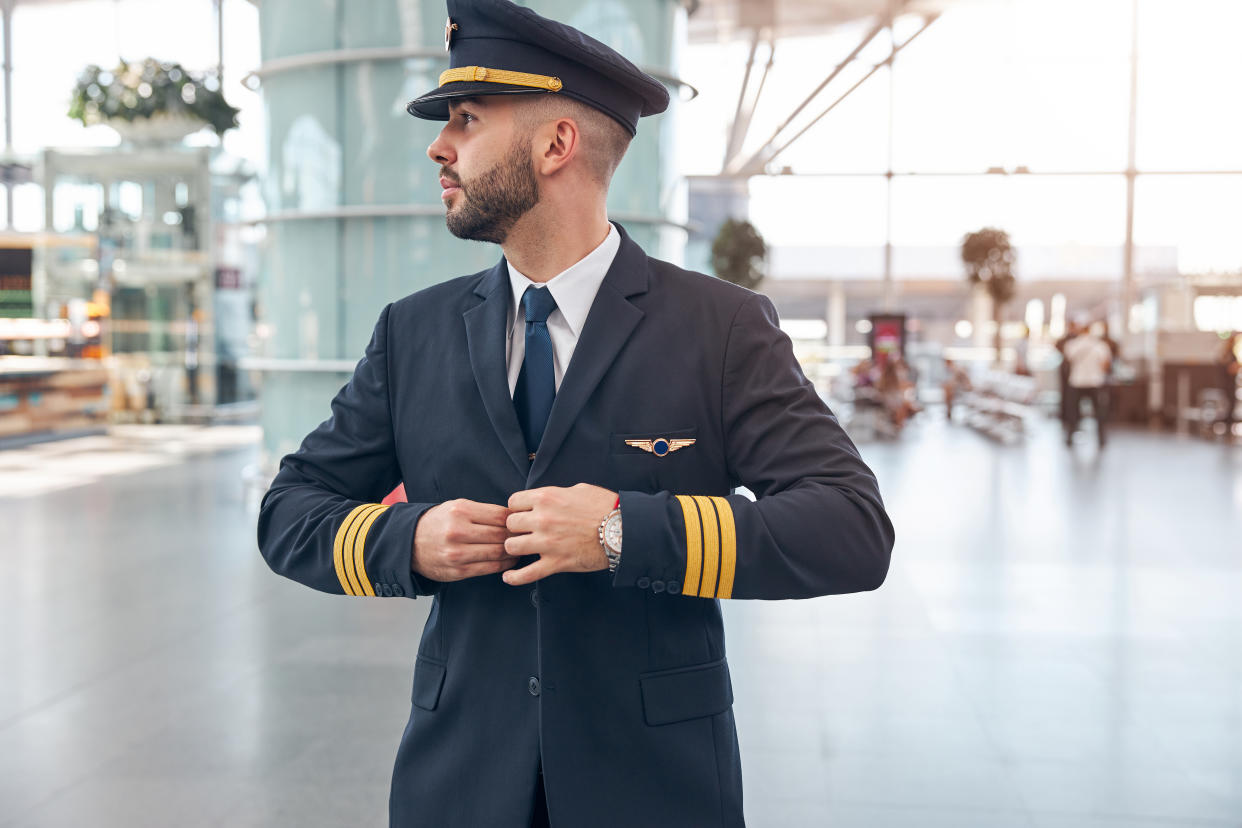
661, 446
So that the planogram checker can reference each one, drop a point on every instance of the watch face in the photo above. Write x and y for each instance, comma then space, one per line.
612, 533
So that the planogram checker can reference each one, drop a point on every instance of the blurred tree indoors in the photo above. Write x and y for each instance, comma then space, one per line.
739, 253
989, 259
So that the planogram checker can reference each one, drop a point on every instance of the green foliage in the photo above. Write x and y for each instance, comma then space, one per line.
738, 254
142, 90
989, 259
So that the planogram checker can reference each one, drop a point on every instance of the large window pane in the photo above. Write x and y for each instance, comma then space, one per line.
822, 227
1063, 226
1198, 216
1190, 83
1040, 83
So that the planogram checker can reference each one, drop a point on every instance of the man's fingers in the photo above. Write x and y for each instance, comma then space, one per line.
485, 568
471, 553
487, 514
519, 545
521, 522
526, 500
528, 574
467, 533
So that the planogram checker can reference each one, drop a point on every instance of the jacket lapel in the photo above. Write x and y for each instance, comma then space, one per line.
485, 337
608, 326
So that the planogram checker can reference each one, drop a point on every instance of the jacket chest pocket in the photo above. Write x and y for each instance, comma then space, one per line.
653, 461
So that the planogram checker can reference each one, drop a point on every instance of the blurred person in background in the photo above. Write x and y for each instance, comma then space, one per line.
1228, 361
1021, 349
897, 391
956, 380
1072, 329
1090, 359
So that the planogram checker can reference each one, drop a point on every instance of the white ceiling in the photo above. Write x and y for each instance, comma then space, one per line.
724, 20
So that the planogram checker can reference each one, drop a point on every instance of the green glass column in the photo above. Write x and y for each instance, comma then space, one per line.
354, 215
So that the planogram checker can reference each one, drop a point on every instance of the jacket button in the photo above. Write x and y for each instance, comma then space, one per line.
643, 582
387, 590
397, 590
674, 588
532, 684
534, 598
657, 586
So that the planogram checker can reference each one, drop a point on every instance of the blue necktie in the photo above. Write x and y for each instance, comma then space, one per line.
536, 384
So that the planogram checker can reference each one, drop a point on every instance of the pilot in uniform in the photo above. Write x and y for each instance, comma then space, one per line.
582, 680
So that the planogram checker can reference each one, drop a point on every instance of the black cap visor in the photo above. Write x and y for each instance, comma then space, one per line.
434, 106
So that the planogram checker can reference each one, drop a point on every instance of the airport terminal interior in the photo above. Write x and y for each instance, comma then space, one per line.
1002, 237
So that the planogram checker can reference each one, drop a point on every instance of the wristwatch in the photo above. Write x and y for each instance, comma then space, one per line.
610, 538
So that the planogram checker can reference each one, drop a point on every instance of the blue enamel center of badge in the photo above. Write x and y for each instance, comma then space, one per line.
660, 447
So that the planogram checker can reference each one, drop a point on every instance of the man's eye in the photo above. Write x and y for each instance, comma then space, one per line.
467, 117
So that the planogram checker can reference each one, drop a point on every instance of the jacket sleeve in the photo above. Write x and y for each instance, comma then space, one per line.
817, 525
321, 522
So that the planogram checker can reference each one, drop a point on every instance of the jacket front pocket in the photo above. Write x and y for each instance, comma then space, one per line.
428, 679
686, 692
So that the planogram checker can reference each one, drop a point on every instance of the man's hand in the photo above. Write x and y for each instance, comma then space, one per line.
559, 525
461, 539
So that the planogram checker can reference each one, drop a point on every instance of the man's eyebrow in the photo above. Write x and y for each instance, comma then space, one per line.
470, 101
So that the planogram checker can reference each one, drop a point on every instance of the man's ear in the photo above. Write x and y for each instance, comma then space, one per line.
557, 143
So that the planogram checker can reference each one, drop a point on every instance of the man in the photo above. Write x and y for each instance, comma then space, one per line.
565, 675
1089, 358
1228, 364
1072, 330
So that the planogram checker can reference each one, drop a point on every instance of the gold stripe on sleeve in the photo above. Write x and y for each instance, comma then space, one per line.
338, 548
728, 547
350, 538
694, 545
711, 546
360, 548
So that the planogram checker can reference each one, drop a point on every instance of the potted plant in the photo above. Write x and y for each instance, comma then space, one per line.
738, 253
151, 101
989, 259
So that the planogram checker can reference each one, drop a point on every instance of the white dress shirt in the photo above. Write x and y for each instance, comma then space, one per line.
574, 290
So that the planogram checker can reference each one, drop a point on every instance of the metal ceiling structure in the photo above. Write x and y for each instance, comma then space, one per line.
716, 21
763, 23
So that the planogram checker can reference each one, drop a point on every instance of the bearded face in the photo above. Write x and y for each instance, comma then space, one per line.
491, 202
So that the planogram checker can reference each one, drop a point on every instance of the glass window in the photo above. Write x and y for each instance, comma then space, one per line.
821, 227
1190, 71
1189, 220
1035, 83
1062, 226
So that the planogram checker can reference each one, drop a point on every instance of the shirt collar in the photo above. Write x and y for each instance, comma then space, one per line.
575, 287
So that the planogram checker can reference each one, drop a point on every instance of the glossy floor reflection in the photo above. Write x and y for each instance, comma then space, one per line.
1059, 644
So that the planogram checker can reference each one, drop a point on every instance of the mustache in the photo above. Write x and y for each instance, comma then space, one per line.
450, 175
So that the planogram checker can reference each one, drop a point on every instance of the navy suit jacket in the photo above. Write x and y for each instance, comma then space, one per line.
616, 684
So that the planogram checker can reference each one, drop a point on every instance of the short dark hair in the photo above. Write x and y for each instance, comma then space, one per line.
604, 139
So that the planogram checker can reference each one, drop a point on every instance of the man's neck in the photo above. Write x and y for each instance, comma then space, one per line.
546, 241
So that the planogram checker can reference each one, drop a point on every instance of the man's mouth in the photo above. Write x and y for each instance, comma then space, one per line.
449, 186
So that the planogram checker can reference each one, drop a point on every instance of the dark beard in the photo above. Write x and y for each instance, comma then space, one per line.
494, 201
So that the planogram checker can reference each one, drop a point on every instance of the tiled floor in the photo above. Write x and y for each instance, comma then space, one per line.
1059, 645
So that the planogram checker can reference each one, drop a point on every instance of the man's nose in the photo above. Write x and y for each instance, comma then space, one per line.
440, 151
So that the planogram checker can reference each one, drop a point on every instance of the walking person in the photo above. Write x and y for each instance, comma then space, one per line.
1089, 358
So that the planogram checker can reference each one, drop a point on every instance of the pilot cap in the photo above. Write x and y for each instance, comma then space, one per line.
497, 47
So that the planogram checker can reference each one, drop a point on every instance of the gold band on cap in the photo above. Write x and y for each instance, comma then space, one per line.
482, 73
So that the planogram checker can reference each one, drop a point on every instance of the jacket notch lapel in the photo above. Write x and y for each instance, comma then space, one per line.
608, 326
485, 337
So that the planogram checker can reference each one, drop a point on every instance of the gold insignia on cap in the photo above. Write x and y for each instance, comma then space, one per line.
449, 28
660, 446
484, 73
